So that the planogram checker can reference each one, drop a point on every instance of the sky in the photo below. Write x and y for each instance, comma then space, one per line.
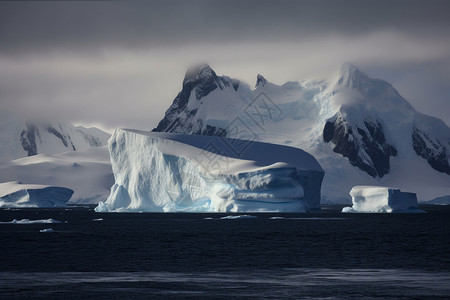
120, 64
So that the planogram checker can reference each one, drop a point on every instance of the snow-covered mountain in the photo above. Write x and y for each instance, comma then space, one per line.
361, 130
20, 137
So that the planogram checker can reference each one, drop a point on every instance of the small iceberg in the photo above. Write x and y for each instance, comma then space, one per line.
28, 221
16, 194
47, 230
231, 217
238, 217
378, 199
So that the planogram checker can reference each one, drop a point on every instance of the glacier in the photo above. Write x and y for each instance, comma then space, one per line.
167, 172
15, 194
378, 199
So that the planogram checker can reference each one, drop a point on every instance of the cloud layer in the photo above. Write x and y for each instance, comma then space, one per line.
120, 64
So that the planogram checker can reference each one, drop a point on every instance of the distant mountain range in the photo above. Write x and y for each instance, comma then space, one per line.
361, 130
21, 137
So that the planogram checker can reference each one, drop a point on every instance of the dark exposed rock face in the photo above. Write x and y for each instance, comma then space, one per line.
62, 137
365, 148
260, 81
435, 152
92, 140
28, 139
214, 131
199, 81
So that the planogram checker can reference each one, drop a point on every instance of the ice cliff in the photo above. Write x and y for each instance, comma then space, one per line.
378, 199
177, 172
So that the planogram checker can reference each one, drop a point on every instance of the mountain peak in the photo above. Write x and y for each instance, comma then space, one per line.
349, 75
348, 68
199, 71
260, 81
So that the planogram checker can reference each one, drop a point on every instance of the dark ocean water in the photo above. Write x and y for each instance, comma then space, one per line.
325, 255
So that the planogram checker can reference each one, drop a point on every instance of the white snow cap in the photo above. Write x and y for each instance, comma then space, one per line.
198, 71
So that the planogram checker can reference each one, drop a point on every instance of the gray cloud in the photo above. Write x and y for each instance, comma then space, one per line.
120, 64
46, 26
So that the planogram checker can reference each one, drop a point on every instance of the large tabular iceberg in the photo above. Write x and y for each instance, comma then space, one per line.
178, 172
381, 199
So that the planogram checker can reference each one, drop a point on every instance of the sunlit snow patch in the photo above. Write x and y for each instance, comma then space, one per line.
377, 199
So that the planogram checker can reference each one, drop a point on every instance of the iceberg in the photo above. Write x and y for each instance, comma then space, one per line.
238, 217
15, 194
87, 172
167, 172
28, 221
378, 199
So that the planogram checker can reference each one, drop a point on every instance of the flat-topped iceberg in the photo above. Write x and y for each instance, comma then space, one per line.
15, 194
168, 172
378, 199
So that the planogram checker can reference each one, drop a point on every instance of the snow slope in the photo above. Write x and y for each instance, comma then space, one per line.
21, 137
15, 194
361, 130
444, 200
88, 173
177, 172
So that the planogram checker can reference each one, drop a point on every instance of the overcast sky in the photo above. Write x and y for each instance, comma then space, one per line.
121, 64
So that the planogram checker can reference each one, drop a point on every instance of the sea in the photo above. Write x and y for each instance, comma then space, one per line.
76, 253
